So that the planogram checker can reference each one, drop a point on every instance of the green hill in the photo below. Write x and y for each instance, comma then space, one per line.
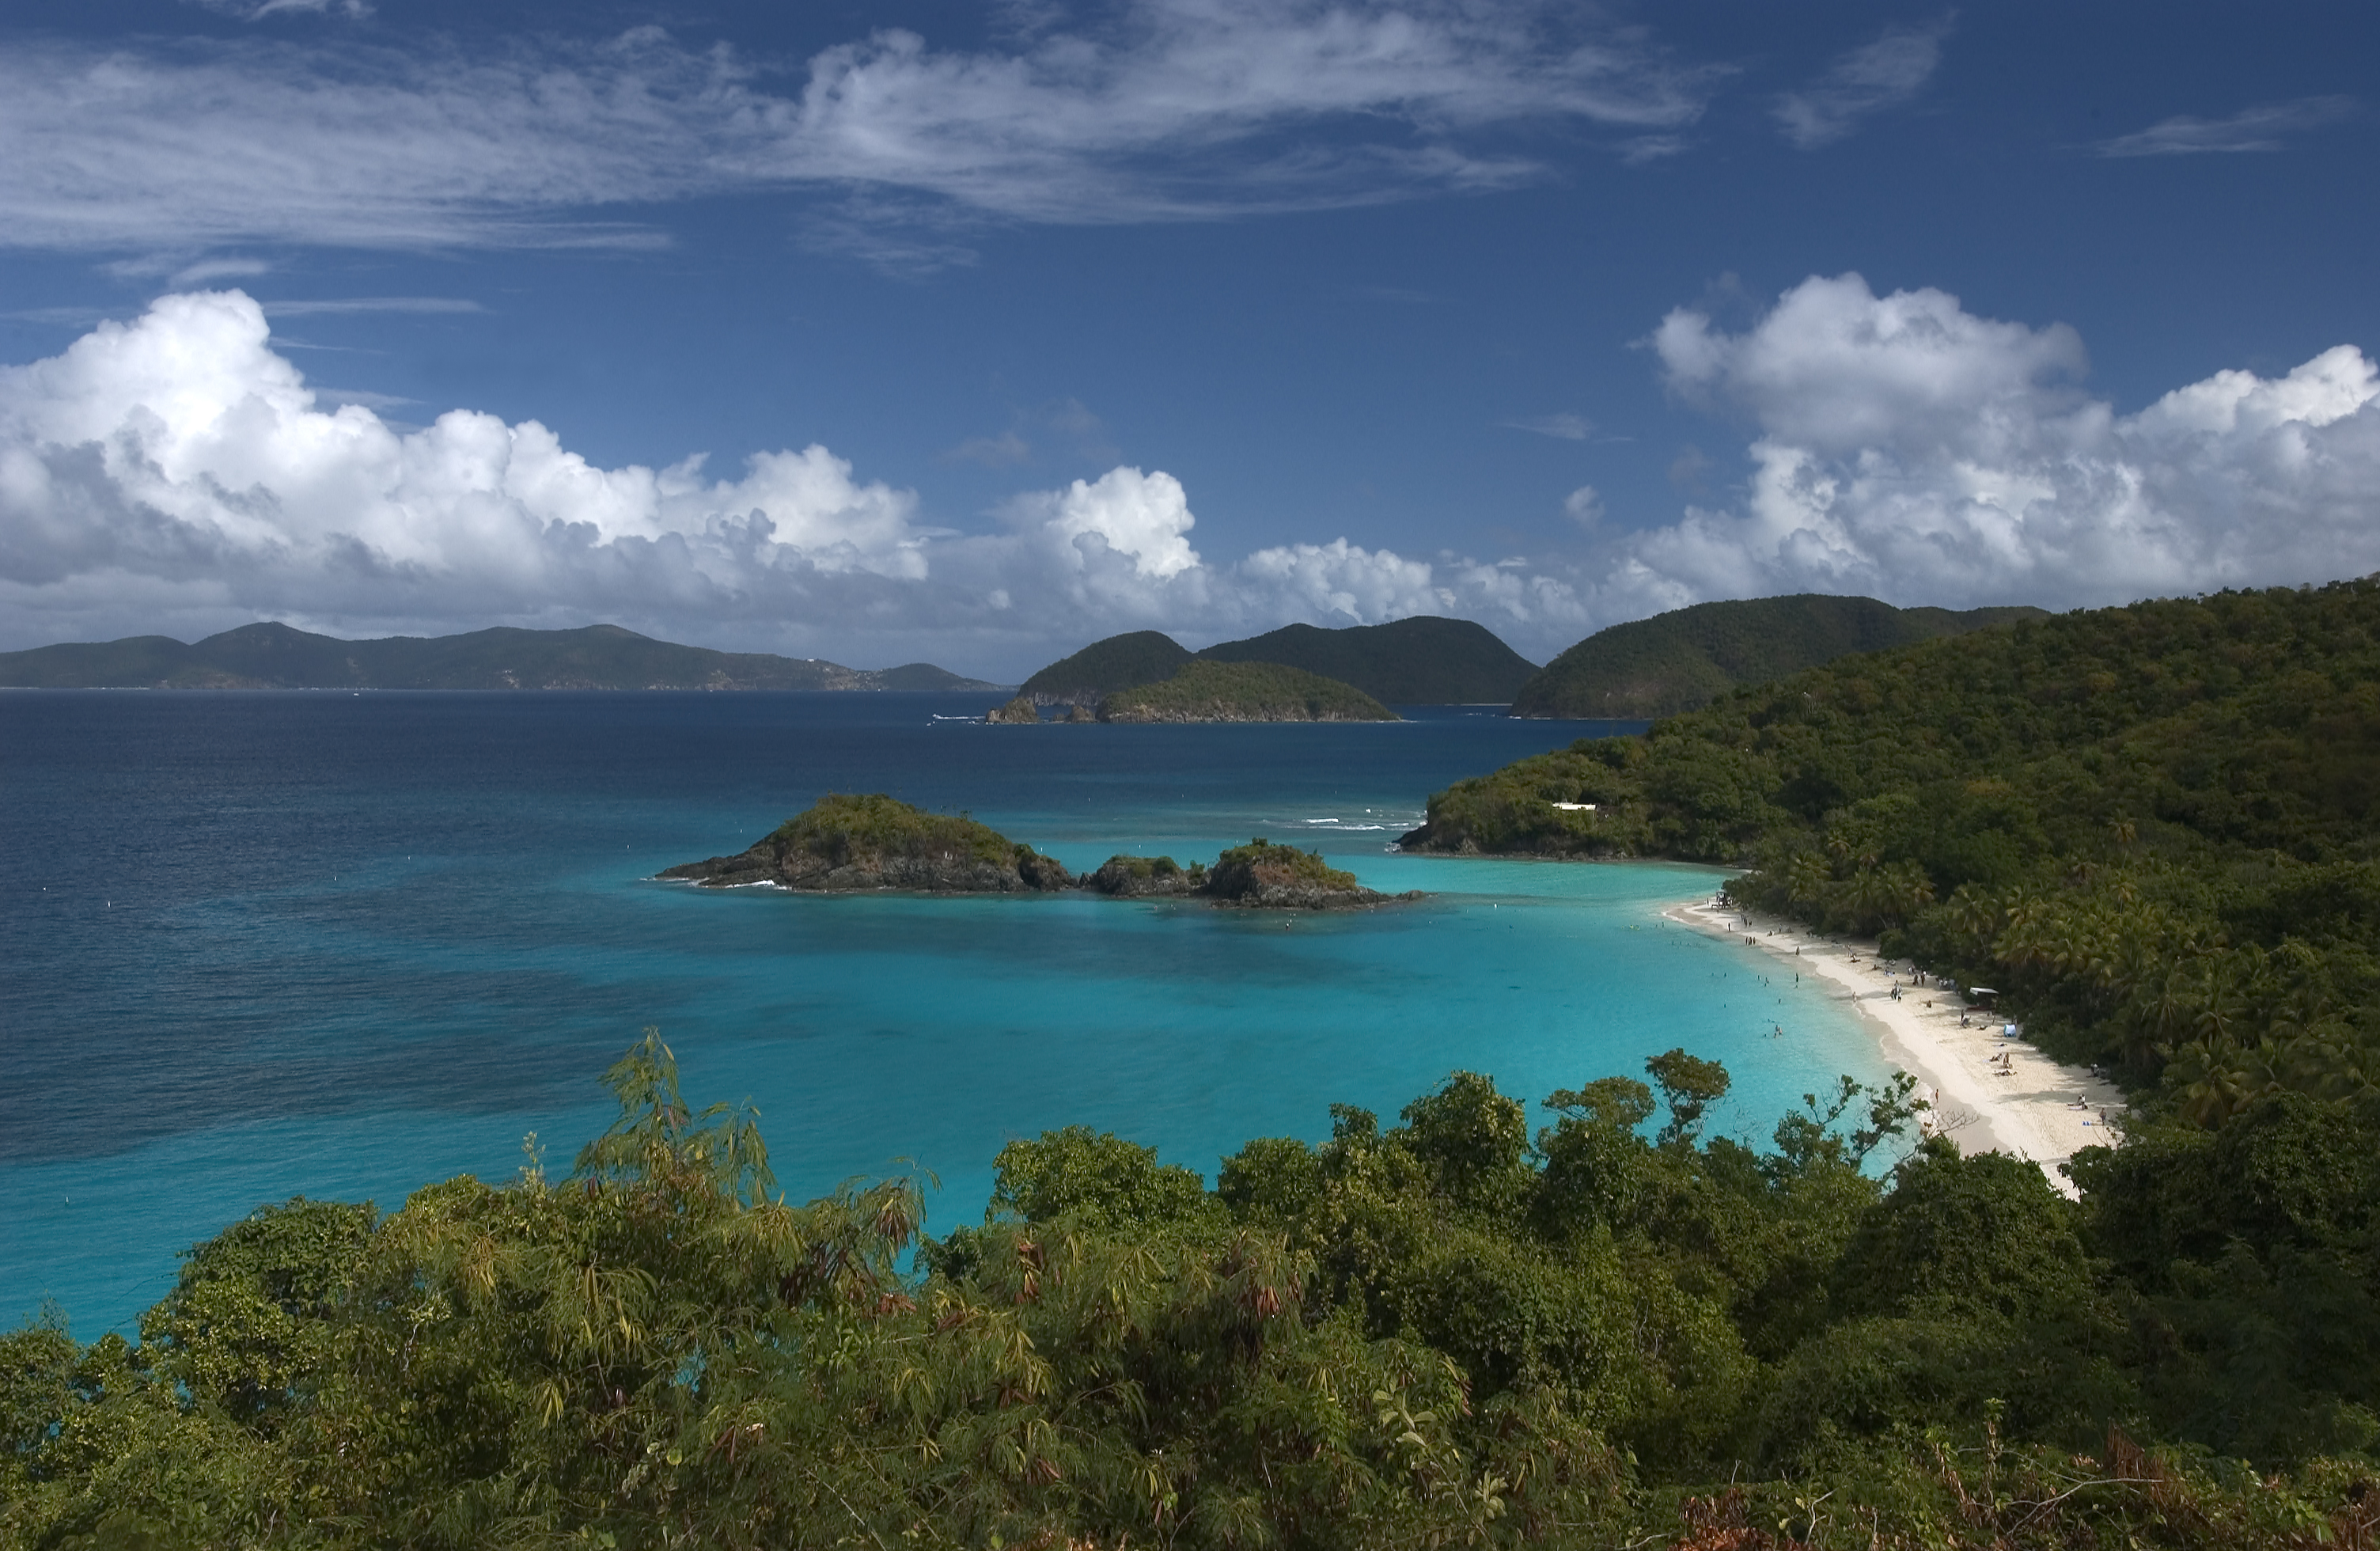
1104, 667
1243, 692
599, 657
2155, 828
1687, 658
1421, 661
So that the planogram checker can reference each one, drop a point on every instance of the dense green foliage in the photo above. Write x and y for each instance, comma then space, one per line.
1689, 657
848, 840
1243, 692
1251, 869
1123, 662
845, 825
1132, 877
599, 657
1420, 662
1443, 1332
2153, 827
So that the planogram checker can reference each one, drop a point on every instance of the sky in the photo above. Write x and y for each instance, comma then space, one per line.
970, 334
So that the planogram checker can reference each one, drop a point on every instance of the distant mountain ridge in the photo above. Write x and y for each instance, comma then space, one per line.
1421, 661
1681, 660
596, 657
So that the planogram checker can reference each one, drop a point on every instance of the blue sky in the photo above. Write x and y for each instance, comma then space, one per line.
1003, 327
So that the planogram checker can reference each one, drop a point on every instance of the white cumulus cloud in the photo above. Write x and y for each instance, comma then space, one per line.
176, 475
1911, 449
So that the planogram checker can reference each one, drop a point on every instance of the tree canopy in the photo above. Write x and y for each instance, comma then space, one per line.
1444, 1331
2152, 828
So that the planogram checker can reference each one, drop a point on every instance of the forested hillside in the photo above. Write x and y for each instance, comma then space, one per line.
1419, 662
1443, 1332
1105, 666
1611, 1327
1686, 658
2154, 826
1423, 661
598, 657
1204, 691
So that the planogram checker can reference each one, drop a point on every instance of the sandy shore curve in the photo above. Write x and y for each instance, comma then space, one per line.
1990, 1093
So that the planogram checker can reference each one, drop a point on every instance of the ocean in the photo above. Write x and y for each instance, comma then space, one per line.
271, 944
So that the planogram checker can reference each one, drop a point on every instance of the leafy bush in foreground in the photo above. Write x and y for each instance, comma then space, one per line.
1441, 1332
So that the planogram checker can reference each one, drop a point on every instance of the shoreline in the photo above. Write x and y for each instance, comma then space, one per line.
2033, 1107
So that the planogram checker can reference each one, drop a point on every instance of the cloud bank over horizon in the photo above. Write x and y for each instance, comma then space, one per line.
1909, 449
176, 475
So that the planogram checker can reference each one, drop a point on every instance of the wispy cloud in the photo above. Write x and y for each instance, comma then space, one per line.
2251, 130
1005, 451
1866, 81
364, 396
1164, 110
256, 10
1562, 427
332, 305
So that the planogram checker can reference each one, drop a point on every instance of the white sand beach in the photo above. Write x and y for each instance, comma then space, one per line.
1990, 1093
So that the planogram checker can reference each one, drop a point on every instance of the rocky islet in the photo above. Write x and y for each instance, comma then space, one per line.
847, 843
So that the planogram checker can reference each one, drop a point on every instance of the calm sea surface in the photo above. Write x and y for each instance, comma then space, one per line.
261, 945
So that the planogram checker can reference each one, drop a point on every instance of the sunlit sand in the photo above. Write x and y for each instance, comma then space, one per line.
1989, 1093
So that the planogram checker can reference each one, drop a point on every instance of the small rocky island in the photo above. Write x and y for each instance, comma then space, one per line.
1262, 876
1259, 876
848, 843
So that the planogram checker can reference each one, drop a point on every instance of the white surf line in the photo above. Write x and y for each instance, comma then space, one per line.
1990, 1093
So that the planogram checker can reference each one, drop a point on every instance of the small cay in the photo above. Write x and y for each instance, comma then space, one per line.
848, 843
1259, 876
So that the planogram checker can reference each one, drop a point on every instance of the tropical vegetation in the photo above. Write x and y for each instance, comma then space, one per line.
1643, 1321
1447, 1331
852, 840
2151, 829
1204, 691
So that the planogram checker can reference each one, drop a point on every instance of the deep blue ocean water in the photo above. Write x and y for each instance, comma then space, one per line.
259, 945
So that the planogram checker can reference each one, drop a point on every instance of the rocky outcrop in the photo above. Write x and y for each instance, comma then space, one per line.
1262, 876
1019, 712
1145, 877
847, 843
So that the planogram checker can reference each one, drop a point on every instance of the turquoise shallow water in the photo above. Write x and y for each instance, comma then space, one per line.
264, 945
